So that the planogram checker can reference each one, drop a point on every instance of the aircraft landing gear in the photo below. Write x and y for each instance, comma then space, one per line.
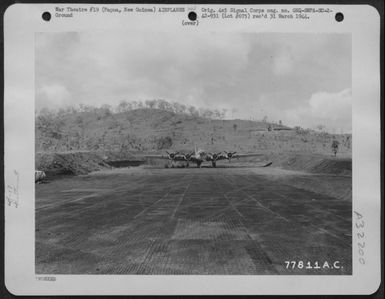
199, 164
187, 165
214, 164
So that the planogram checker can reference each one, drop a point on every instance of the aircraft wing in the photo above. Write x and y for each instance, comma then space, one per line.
157, 156
246, 155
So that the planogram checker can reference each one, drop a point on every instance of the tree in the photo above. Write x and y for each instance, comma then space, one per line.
178, 108
129, 106
49, 124
183, 108
223, 113
217, 114
122, 107
208, 114
106, 110
162, 104
168, 107
201, 111
193, 111
348, 142
85, 108
134, 104
235, 127
335, 145
150, 103
164, 143
298, 130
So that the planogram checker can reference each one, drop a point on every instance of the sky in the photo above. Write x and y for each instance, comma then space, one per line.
301, 79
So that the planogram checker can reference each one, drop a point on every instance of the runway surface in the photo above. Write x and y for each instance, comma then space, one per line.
189, 221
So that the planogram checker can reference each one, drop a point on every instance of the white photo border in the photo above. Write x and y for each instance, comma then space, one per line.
22, 21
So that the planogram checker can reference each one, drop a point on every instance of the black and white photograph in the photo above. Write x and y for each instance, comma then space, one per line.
188, 149
217, 153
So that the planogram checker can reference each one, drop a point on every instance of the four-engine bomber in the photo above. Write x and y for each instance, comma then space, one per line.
199, 156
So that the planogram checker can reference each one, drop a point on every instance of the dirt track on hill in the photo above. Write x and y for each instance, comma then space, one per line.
188, 221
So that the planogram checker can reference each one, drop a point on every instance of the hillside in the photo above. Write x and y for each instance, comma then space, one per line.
156, 130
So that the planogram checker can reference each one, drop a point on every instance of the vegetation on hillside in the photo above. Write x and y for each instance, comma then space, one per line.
156, 126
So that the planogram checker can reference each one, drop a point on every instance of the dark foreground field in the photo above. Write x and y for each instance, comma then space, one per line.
190, 221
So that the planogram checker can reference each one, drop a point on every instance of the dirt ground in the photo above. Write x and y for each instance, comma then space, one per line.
194, 221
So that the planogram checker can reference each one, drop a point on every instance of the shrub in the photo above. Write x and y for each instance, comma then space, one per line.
164, 142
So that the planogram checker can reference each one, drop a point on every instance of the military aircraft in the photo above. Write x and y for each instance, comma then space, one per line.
173, 157
199, 156
226, 155
231, 155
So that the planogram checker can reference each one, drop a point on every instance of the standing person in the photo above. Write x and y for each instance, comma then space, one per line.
335, 145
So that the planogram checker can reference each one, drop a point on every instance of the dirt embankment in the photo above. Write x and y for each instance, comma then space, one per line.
313, 163
72, 163
330, 175
80, 162
335, 186
322, 174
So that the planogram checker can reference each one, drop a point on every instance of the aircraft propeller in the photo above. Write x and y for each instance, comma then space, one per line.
231, 154
188, 156
171, 155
